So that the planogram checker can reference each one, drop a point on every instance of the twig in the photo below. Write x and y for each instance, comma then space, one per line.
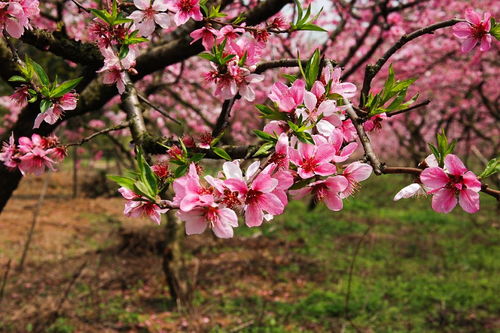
36, 212
93, 135
242, 326
424, 103
157, 108
15, 55
287, 63
225, 113
372, 70
80, 6
363, 137
4, 279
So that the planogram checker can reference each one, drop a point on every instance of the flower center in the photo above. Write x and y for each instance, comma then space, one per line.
186, 5
478, 31
252, 196
149, 13
309, 165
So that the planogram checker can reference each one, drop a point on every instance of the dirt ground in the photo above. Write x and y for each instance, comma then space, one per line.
95, 268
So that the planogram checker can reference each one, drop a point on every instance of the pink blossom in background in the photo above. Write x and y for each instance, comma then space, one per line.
474, 31
447, 185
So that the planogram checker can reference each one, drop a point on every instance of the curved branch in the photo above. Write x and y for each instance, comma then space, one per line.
372, 70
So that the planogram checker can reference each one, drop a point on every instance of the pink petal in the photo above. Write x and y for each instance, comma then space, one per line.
228, 216
472, 17
469, 200
253, 216
195, 221
236, 185
359, 171
264, 183
310, 100
444, 201
325, 153
333, 201
454, 165
469, 44
471, 181
325, 169
337, 183
162, 19
142, 4
485, 43
434, 178
271, 204
462, 30
408, 191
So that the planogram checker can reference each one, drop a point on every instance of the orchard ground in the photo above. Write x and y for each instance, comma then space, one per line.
90, 269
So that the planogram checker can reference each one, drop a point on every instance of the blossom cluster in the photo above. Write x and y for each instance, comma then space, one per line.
33, 155
15, 16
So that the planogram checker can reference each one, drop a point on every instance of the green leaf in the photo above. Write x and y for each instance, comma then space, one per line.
312, 69
495, 29
492, 168
44, 105
17, 78
124, 49
197, 157
102, 14
40, 72
123, 181
264, 149
144, 190
222, 153
265, 136
311, 27
65, 87
209, 57
181, 171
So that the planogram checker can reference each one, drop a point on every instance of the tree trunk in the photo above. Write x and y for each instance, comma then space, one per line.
180, 279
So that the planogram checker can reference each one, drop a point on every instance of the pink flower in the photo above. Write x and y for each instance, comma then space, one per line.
189, 193
258, 197
344, 89
186, 9
416, 189
410, 191
327, 190
67, 102
137, 206
36, 161
474, 31
20, 95
313, 159
446, 186
288, 98
316, 103
220, 220
149, 14
230, 34
207, 36
114, 68
12, 18
336, 139
374, 122
355, 173
281, 152
7, 154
